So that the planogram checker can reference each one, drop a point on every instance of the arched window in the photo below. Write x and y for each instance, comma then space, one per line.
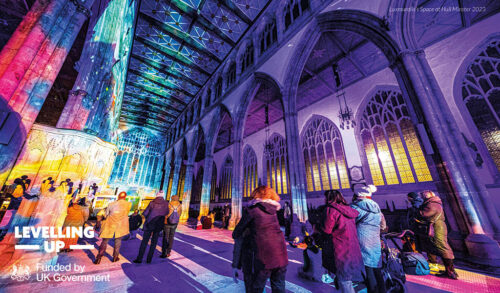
269, 36
276, 162
293, 10
390, 141
247, 59
218, 88
231, 74
198, 108
324, 156
250, 178
213, 186
481, 95
226, 179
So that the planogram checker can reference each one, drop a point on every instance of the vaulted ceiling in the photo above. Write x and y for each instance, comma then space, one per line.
178, 45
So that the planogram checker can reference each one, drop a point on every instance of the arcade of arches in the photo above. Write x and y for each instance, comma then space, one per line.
304, 96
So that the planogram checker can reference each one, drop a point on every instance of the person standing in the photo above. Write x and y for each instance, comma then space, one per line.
288, 216
338, 238
369, 222
134, 222
115, 225
434, 237
76, 217
171, 222
155, 217
264, 255
226, 216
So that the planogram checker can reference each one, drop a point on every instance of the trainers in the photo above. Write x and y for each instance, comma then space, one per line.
434, 267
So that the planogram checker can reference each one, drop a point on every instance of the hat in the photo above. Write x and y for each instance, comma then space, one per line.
160, 194
413, 195
122, 195
364, 190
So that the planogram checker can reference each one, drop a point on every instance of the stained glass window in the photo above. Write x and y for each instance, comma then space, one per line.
269, 36
247, 58
293, 10
391, 145
136, 164
250, 180
481, 95
276, 163
324, 155
226, 178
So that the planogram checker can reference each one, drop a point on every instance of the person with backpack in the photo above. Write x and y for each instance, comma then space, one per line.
369, 222
155, 217
171, 222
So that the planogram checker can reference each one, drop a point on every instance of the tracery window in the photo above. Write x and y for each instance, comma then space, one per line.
247, 59
226, 179
324, 156
269, 36
213, 185
231, 79
218, 88
481, 95
250, 178
207, 99
276, 163
390, 141
198, 108
293, 10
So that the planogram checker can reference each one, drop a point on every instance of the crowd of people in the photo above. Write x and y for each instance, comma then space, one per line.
347, 234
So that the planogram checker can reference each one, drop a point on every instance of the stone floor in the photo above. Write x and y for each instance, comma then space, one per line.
201, 262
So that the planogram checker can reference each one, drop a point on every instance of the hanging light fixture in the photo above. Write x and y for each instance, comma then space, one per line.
345, 113
268, 146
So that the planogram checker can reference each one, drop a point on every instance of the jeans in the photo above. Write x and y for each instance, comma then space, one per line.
104, 245
259, 280
144, 244
374, 280
168, 238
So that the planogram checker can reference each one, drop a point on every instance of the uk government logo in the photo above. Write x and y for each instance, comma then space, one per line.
20, 273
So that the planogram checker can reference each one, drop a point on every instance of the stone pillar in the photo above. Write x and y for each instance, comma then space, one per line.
36, 52
237, 190
473, 198
71, 118
295, 167
186, 197
207, 185
175, 179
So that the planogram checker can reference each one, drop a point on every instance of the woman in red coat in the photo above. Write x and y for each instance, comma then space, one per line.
339, 241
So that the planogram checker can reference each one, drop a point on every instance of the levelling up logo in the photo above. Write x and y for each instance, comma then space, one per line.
51, 236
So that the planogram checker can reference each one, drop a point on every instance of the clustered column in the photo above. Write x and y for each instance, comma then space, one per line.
30, 62
186, 197
207, 182
236, 197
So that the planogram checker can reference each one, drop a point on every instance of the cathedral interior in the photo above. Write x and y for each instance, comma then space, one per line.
209, 99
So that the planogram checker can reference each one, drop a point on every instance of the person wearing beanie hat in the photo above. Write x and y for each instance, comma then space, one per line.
369, 222
114, 226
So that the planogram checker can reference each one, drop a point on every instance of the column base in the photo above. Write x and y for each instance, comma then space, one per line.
483, 250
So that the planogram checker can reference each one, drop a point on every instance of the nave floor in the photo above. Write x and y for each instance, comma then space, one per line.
201, 262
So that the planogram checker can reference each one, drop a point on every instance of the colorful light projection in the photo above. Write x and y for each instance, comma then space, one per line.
61, 154
29, 64
96, 99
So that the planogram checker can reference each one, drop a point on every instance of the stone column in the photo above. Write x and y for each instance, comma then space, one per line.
295, 167
186, 197
28, 78
175, 179
206, 187
473, 198
237, 189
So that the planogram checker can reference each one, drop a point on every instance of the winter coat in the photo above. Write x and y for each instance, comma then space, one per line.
339, 241
267, 247
431, 212
369, 222
116, 222
155, 214
134, 222
76, 216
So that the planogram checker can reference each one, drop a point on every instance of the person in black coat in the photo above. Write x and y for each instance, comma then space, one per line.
264, 256
155, 217
134, 222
